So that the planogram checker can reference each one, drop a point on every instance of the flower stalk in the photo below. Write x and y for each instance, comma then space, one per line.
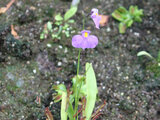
76, 90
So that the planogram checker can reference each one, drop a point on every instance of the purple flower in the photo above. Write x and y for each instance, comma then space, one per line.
85, 40
96, 18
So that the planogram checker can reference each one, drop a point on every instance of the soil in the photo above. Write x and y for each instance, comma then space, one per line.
28, 68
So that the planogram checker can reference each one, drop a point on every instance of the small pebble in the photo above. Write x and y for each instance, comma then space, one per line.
148, 32
60, 46
108, 29
122, 94
136, 34
28, 62
59, 63
34, 71
103, 87
20, 83
128, 97
10, 76
51, 103
57, 82
49, 45
65, 50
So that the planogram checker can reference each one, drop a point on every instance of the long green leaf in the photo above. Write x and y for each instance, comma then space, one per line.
131, 10
58, 17
122, 10
122, 27
129, 23
144, 53
63, 106
117, 15
70, 111
49, 26
70, 13
91, 89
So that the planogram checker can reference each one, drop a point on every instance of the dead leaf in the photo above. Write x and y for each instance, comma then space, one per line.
48, 114
13, 32
32, 8
4, 9
104, 20
2, 108
38, 100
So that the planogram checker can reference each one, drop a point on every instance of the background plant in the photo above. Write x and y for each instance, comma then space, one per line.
62, 25
127, 18
154, 65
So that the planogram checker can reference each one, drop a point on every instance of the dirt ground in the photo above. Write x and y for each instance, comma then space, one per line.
29, 70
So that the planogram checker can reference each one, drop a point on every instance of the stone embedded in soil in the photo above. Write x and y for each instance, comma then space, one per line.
26, 17
10, 45
4, 30
10, 76
44, 64
20, 82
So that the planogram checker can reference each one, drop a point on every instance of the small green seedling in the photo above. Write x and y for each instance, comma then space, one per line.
154, 65
126, 17
62, 25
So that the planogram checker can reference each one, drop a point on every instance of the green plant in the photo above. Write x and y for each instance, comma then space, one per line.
81, 89
154, 65
78, 101
126, 17
62, 25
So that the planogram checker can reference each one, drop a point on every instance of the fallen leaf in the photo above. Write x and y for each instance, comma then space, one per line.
13, 32
2, 108
45, 26
4, 9
104, 20
32, 8
38, 100
48, 114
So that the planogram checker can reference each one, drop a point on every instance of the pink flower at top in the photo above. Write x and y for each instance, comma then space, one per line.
85, 40
96, 18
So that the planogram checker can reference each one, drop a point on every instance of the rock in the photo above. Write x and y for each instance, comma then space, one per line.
26, 17
20, 82
10, 76
4, 30
44, 64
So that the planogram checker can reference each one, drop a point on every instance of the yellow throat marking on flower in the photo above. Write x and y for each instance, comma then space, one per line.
85, 34
96, 13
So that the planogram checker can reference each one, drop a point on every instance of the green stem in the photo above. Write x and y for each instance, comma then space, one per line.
76, 95
77, 91
78, 61
83, 22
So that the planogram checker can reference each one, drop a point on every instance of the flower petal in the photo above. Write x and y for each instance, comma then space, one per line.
94, 10
77, 41
80, 41
97, 21
92, 41
85, 44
